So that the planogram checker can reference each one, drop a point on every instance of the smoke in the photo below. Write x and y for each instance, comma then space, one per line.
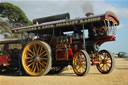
87, 6
83, 5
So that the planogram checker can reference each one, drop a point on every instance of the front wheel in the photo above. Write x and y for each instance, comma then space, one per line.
81, 63
107, 62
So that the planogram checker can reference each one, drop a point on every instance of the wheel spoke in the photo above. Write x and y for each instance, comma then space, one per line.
102, 66
34, 52
30, 64
41, 53
41, 49
34, 70
45, 54
107, 65
42, 64
35, 46
38, 51
29, 50
28, 57
43, 58
82, 70
38, 69
45, 62
29, 61
29, 54
33, 66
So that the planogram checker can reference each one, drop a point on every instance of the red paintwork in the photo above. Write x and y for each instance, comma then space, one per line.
61, 54
109, 38
64, 54
70, 53
4, 59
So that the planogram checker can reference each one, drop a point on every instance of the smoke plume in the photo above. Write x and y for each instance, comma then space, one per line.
87, 6
83, 5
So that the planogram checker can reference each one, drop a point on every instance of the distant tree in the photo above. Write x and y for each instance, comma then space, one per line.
5, 28
13, 13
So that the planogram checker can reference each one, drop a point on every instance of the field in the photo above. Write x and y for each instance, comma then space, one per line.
119, 76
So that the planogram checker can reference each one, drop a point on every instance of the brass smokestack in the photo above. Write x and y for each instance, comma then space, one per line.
89, 14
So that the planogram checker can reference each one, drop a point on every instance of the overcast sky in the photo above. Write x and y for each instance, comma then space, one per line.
78, 8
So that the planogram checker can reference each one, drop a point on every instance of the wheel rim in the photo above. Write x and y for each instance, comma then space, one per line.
79, 63
35, 58
105, 62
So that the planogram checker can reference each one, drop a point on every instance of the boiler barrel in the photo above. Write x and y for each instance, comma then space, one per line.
52, 18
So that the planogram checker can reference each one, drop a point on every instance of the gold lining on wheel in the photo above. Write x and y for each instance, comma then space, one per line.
35, 58
79, 63
105, 62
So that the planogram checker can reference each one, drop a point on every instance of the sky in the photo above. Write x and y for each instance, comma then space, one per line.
78, 8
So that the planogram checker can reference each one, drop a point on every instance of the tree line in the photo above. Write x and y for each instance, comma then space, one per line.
11, 16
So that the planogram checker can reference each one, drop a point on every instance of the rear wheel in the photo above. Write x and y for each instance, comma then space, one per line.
36, 58
81, 63
107, 62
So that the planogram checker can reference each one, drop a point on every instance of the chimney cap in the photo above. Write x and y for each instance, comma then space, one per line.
89, 14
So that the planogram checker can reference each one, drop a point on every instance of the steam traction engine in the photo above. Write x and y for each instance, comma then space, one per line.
57, 41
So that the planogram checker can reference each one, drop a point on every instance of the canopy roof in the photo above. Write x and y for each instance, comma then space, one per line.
68, 25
